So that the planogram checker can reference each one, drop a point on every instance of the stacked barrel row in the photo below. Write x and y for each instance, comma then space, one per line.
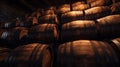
32, 28
99, 22
82, 5
79, 53
80, 25
40, 26
80, 34
89, 53
48, 18
30, 55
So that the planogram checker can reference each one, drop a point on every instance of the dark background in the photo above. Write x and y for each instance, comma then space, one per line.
13, 8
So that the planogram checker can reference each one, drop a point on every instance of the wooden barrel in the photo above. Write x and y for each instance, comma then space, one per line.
42, 12
117, 43
109, 26
78, 3
90, 1
31, 55
51, 10
43, 33
116, 8
29, 21
80, 7
71, 16
38, 13
101, 3
47, 12
4, 52
97, 12
63, 9
7, 36
51, 19
89, 14
33, 14
9, 24
13, 35
81, 29
22, 33
86, 53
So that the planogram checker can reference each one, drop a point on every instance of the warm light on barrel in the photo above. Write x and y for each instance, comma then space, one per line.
60, 33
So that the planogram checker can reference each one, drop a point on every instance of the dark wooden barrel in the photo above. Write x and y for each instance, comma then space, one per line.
116, 8
51, 19
109, 26
90, 1
13, 35
86, 53
9, 24
51, 10
4, 52
39, 13
7, 35
81, 29
31, 55
42, 12
22, 32
45, 33
29, 21
89, 14
117, 43
101, 3
32, 14
63, 9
